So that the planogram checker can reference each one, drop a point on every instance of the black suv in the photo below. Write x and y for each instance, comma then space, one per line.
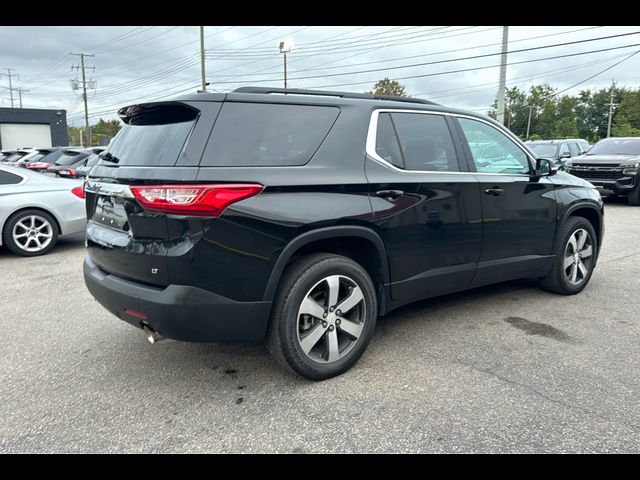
558, 151
612, 165
301, 216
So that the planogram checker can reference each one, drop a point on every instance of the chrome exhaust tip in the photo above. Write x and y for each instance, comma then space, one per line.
151, 335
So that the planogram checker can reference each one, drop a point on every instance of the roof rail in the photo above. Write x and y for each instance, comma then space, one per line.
325, 93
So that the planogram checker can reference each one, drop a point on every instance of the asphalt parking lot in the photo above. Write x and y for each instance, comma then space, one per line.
507, 368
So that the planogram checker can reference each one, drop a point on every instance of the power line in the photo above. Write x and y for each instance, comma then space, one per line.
487, 66
436, 62
599, 73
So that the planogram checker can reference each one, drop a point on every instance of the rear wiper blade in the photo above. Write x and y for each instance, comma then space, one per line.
108, 157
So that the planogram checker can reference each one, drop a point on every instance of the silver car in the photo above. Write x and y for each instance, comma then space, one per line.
36, 209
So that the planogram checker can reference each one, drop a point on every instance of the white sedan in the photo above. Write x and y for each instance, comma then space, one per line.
36, 209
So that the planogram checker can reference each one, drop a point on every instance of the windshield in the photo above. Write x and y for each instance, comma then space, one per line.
544, 150
70, 158
616, 147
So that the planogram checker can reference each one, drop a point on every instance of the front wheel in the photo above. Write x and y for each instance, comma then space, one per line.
575, 258
324, 316
634, 197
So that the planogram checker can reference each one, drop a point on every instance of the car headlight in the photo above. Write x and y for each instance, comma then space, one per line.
629, 168
568, 164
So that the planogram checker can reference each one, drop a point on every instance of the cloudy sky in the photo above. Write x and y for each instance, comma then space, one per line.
453, 65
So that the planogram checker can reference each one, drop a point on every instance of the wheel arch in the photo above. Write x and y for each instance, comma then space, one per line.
337, 239
590, 212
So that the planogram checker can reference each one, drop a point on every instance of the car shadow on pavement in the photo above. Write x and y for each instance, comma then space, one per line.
251, 364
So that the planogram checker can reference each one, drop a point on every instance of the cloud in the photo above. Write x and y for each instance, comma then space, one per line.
144, 63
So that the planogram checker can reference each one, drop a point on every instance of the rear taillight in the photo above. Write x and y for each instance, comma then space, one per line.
77, 191
196, 200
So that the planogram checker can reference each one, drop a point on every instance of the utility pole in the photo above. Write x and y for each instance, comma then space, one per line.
20, 90
84, 89
285, 47
503, 74
11, 75
611, 105
204, 82
530, 107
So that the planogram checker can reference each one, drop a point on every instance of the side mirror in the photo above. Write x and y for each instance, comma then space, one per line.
545, 168
565, 155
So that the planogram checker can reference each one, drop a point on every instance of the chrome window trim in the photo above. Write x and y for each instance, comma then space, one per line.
370, 148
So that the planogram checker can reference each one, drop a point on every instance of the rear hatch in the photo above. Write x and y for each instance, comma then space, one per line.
122, 237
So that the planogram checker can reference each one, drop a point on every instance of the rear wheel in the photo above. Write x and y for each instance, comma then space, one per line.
30, 233
575, 258
324, 316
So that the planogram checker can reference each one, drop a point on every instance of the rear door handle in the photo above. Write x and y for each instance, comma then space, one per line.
390, 194
494, 192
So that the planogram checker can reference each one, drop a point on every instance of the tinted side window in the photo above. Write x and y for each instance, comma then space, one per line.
564, 149
492, 150
424, 140
261, 135
387, 141
7, 178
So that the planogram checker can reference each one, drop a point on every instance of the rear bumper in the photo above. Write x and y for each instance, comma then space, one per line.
179, 312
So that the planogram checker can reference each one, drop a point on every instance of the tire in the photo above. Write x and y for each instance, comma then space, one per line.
317, 347
25, 229
634, 197
560, 279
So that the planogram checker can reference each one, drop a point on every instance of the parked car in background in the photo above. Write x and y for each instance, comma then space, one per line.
35, 210
612, 165
69, 160
582, 143
301, 216
44, 158
85, 166
14, 155
558, 151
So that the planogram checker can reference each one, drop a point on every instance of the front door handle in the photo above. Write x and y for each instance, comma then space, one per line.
390, 194
494, 191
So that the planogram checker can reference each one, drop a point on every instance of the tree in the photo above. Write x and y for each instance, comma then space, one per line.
389, 87
103, 129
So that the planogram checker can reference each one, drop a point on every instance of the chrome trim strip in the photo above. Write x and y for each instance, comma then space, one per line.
370, 147
110, 189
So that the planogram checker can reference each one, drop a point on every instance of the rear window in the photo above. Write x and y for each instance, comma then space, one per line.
70, 158
15, 156
262, 135
92, 160
154, 135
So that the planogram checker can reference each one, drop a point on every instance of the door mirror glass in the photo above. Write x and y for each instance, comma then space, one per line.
545, 168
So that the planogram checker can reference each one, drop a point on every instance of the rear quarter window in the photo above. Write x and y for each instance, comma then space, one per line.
7, 178
262, 135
